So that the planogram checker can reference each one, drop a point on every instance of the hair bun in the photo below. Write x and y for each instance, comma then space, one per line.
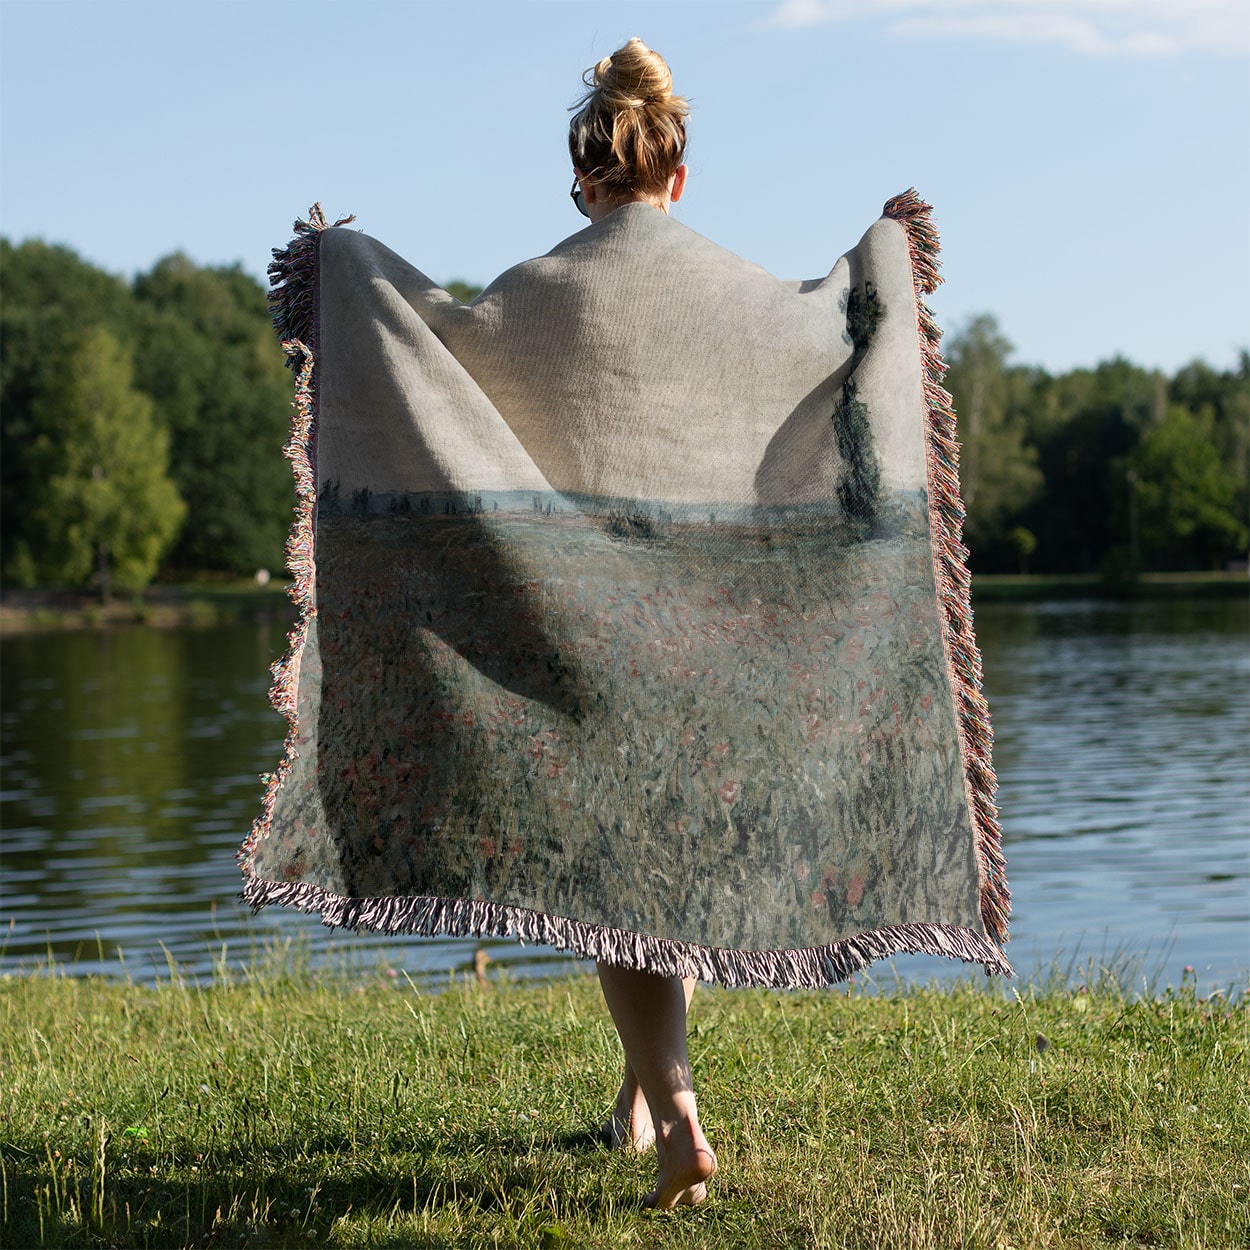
633, 77
629, 129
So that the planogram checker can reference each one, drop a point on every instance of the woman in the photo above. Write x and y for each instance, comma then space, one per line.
628, 141
635, 620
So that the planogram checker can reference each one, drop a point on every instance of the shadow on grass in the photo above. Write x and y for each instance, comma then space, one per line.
294, 1193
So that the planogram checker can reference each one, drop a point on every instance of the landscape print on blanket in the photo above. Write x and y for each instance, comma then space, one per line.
724, 724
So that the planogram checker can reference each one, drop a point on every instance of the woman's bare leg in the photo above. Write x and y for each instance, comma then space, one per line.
629, 1124
649, 1012
629, 1127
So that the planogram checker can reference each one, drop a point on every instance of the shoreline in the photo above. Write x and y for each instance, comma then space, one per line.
205, 604
1035, 587
173, 606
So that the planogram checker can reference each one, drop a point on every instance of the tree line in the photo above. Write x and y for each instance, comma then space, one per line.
1113, 470
142, 423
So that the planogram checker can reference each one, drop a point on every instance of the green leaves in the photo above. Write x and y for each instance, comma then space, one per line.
104, 502
208, 357
192, 391
998, 467
1187, 492
1110, 468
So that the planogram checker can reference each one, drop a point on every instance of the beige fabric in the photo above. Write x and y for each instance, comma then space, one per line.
626, 635
636, 359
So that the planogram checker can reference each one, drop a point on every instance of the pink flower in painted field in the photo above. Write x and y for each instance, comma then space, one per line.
729, 791
487, 847
818, 898
855, 892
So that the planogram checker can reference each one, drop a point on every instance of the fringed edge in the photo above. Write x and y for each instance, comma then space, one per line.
293, 305
293, 281
954, 583
782, 969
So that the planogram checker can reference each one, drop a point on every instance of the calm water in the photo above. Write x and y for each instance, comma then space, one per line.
1123, 749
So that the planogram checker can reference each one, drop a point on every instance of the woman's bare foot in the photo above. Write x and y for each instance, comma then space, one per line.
629, 1126
649, 1011
686, 1165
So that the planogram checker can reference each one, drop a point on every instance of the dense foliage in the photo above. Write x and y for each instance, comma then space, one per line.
142, 424
1114, 469
189, 395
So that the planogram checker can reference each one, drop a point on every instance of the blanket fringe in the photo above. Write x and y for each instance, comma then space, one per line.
954, 583
293, 280
293, 305
781, 969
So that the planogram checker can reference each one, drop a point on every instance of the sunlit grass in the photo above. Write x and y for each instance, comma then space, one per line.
280, 1107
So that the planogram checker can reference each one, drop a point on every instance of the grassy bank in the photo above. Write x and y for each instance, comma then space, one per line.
214, 603
283, 1110
1001, 587
166, 606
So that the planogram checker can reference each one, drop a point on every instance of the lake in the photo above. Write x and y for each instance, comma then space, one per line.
131, 760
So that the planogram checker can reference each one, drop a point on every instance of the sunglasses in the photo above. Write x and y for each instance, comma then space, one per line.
576, 196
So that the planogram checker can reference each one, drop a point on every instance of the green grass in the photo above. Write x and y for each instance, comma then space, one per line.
1031, 587
197, 603
286, 1109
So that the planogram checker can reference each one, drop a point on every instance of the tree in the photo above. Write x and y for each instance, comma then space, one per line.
208, 358
1187, 493
106, 507
1223, 400
1087, 424
51, 297
1024, 543
464, 291
998, 467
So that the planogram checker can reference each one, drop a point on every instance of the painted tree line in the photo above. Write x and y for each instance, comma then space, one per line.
142, 421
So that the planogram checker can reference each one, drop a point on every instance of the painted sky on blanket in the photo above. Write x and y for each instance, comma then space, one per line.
1088, 159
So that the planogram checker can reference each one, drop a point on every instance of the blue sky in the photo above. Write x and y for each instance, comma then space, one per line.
1089, 160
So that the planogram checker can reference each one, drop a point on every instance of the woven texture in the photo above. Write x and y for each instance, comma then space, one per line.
634, 617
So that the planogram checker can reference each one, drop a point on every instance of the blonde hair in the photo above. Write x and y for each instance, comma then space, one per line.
629, 131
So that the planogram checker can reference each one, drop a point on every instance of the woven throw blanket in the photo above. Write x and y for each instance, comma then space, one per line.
634, 614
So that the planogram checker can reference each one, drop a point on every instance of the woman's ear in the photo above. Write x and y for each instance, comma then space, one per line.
589, 186
678, 184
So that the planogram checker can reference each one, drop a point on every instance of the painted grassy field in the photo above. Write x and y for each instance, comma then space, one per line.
740, 736
279, 1109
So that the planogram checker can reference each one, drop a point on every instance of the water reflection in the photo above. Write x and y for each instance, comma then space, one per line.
131, 761
1123, 735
